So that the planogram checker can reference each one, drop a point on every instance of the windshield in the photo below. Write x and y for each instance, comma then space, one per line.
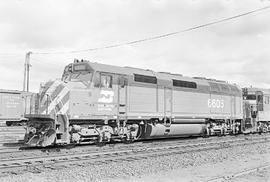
78, 72
82, 76
251, 97
67, 72
80, 67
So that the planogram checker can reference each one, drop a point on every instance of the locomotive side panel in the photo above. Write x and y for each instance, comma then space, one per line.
80, 104
226, 106
96, 103
222, 106
190, 103
225, 101
143, 99
216, 104
239, 107
265, 114
104, 101
161, 100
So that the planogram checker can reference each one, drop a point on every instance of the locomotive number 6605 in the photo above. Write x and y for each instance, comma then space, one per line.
216, 103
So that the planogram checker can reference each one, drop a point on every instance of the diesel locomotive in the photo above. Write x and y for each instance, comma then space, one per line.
256, 109
98, 103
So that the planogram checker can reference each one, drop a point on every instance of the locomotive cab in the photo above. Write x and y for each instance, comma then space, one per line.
80, 71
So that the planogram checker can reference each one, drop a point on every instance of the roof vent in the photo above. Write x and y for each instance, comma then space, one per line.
201, 78
163, 72
176, 74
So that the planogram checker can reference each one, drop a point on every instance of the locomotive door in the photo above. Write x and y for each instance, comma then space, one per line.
167, 105
122, 98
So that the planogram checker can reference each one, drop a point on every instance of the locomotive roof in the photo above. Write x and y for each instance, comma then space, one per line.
160, 75
130, 71
119, 70
254, 89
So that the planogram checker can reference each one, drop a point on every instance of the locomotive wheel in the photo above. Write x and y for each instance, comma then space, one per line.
206, 133
128, 141
100, 144
8, 123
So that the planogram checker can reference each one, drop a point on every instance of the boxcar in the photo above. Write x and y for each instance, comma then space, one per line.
13, 105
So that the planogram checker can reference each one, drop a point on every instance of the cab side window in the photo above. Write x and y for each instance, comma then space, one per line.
105, 81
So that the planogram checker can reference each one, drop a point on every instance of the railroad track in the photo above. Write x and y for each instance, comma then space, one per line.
20, 148
115, 155
238, 174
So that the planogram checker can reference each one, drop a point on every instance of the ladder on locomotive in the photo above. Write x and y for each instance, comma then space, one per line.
122, 100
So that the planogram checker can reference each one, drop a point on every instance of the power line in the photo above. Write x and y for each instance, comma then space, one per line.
45, 62
11, 54
158, 36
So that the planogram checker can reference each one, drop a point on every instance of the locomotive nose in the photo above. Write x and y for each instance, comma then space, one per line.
51, 121
54, 98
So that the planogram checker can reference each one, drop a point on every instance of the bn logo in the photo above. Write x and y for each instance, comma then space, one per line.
106, 96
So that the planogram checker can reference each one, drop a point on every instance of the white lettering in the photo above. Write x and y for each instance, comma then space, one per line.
215, 103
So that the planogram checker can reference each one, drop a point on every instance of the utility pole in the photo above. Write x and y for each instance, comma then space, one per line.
26, 72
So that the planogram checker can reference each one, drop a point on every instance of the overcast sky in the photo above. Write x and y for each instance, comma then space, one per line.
237, 51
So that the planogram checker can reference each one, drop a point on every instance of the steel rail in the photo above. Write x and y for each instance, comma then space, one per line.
13, 150
93, 148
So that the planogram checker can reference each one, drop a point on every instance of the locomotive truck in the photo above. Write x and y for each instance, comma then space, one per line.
98, 103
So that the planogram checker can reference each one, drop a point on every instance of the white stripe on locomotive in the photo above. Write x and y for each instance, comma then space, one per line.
64, 109
57, 100
50, 91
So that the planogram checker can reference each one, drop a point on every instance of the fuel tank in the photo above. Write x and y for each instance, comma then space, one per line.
160, 130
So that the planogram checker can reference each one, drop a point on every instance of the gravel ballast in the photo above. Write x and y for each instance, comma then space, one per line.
193, 166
